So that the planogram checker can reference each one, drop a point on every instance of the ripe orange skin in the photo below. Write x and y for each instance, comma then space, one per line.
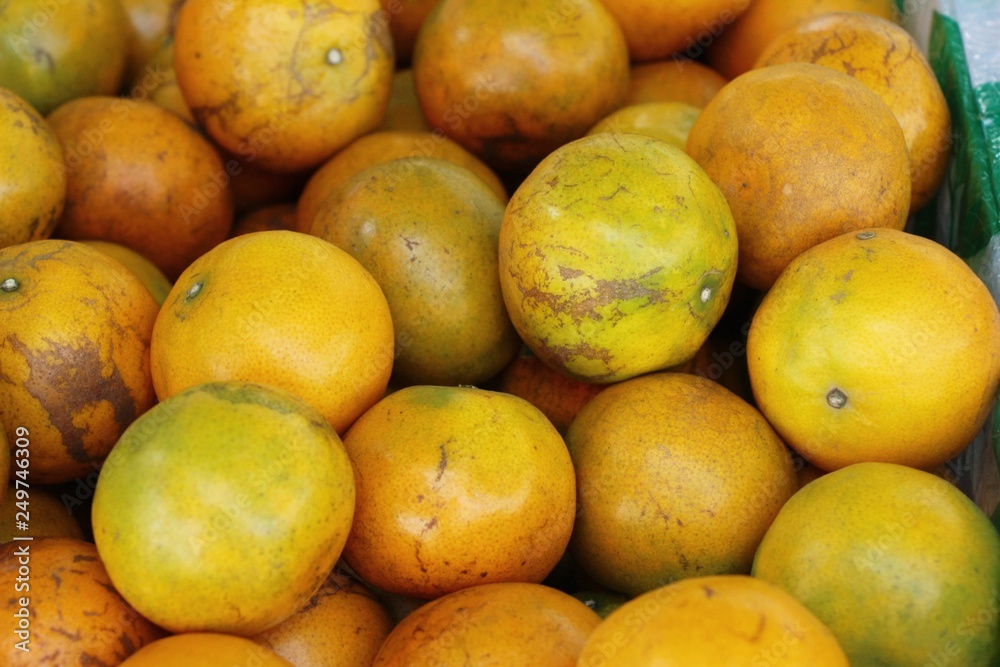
154, 280
887, 59
342, 624
291, 80
379, 147
205, 649
170, 211
669, 121
674, 80
32, 185
264, 219
677, 477
427, 230
897, 323
285, 309
405, 18
512, 82
719, 621
251, 512
403, 113
802, 153
656, 29
75, 354
558, 396
77, 617
457, 487
53, 53
493, 624
736, 49
873, 532
49, 517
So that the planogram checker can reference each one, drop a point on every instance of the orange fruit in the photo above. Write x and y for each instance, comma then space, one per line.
713, 621
53, 52
677, 477
427, 230
379, 147
862, 548
265, 219
669, 121
205, 649
320, 78
457, 487
342, 624
887, 59
493, 624
513, 82
655, 30
150, 23
171, 210
405, 18
736, 49
617, 257
876, 346
252, 506
76, 328
49, 516
61, 608
34, 185
558, 396
154, 280
802, 153
403, 113
283, 308
674, 80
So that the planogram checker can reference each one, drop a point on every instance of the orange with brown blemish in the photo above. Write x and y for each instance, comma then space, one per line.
34, 184
154, 280
887, 59
734, 49
171, 210
513, 81
457, 487
291, 81
677, 477
77, 616
493, 624
802, 153
74, 348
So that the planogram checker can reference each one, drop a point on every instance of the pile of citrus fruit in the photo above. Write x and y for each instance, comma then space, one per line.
458, 332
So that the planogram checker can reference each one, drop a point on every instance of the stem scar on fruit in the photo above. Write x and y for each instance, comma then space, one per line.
10, 285
864, 236
836, 398
334, 56
706, 294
